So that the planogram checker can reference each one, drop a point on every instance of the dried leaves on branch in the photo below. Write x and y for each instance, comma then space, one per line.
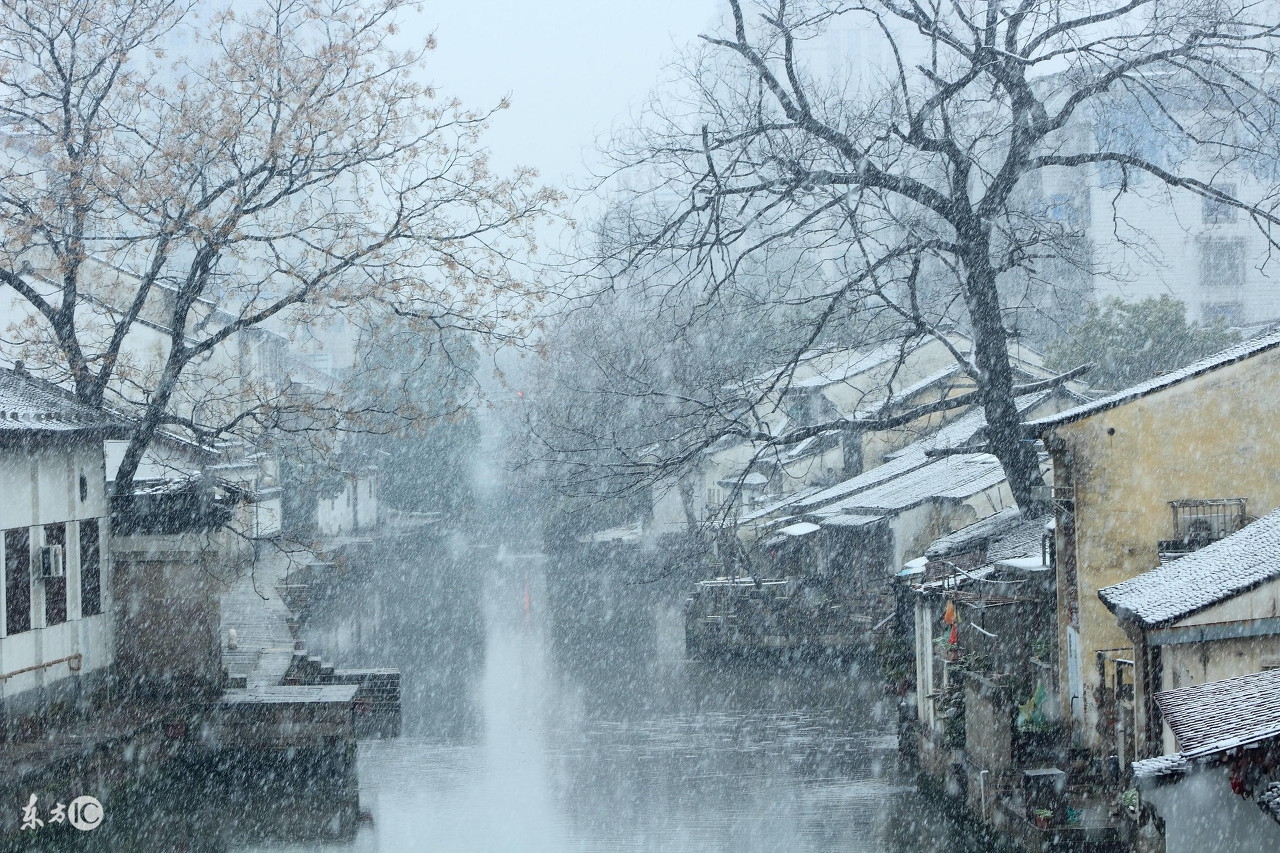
172, 183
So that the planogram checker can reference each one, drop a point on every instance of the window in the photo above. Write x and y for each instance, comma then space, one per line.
55, 588
17, 580
90, 569
1222, 264
1062, 209
1230, 313
1215, 212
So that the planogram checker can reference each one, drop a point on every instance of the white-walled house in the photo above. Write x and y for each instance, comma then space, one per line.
1134, 238
54, 514
354, 507
741, 480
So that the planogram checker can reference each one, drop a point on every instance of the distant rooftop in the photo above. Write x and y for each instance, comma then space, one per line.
955, 434
1007, 540
955, 477
1231, 355
30, 405
1215, 573
962, 431
976, 534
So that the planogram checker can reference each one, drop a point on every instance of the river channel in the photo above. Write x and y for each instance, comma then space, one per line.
541, 723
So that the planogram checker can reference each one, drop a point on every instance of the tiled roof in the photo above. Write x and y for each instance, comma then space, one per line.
1269, 801
954, 477
850, 520
958, 433
28, 405
971, 537
1220, 715
854, 363
1025, 540
1239, 352
1012, 542
1221, 570
954, 434
900, 396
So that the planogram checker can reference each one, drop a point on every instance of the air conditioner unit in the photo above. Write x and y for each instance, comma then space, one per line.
52, 562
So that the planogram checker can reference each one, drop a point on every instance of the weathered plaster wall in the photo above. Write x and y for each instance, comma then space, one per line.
1211, 436
168, 610
40, 484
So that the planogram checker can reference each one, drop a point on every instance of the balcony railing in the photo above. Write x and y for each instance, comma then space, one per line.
1200, 522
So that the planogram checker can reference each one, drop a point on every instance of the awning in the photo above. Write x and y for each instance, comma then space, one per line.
791, 531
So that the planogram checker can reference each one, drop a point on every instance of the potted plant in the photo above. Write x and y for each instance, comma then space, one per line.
1043, 818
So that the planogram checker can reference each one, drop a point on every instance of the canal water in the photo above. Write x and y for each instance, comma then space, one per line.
540, 722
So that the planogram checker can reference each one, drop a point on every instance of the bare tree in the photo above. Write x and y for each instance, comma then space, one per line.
917, 190
635, 376
295, 164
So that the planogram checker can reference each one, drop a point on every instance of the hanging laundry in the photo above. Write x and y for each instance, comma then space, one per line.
949, 615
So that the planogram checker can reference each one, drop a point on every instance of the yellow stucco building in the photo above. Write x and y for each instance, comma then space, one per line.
1158, 466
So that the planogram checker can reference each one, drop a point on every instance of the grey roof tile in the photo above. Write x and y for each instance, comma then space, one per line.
1220, 715
1163, 765
1215, 573
30, 405
968, 538
1231, 355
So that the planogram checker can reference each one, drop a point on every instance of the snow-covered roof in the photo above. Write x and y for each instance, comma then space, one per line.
901, 396
752, 480
1164, 765
1217, 716
1269, 801
779, 504
976, 534
1216, 572
851, 520
1231, 355
1022, 544
30, 405
858, 362
826, 366
791, 531
956, 434
955, 477
1009, 540
960, 432
801, 528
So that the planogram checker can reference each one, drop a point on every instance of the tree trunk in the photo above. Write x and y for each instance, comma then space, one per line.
991, 353
141, 438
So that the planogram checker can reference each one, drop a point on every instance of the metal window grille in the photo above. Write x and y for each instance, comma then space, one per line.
1209, 520
1199, 522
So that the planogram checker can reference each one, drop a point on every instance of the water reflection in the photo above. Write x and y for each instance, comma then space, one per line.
536, 722
596, 735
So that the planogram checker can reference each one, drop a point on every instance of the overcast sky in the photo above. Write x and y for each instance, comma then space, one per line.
572, 67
